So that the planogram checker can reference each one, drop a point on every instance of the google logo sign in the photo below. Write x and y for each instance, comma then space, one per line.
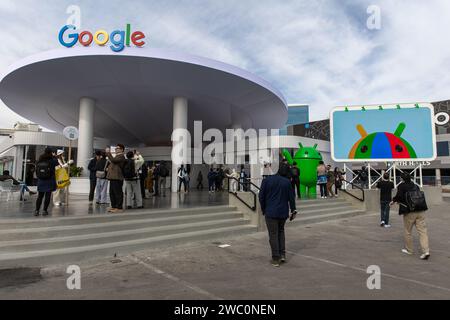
118, 38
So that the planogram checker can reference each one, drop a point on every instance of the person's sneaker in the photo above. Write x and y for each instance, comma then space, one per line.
382, 224
45, 213
405, 251
36, 213
425, 256
283, 259
275, 263
141, 207
387, 225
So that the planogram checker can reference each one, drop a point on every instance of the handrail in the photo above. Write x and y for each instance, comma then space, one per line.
357, 187
240, 183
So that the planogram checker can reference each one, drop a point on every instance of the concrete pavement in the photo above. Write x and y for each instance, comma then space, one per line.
325, 261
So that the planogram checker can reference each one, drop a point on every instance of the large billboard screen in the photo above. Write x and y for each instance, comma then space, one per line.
377, 133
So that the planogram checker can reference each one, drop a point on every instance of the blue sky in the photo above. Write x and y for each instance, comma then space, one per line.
416, 120
315, 52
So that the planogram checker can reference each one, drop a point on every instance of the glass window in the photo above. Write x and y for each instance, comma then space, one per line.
443, 149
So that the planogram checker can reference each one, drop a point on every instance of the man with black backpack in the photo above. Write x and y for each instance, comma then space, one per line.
45, 172
132, 184
413, 206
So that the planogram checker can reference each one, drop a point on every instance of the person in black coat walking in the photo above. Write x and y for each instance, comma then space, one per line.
92, 175
276, 197
46, 180
386, 186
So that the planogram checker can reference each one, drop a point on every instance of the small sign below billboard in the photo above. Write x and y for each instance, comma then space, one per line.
71, 133
395, 132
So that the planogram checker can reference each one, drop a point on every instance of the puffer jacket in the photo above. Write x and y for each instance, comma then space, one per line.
115, 167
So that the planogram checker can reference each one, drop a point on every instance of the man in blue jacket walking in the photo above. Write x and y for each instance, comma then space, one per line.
276, 197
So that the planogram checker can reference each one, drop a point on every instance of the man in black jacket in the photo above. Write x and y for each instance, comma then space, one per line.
386, 187
411, 219
276, 197
92, 174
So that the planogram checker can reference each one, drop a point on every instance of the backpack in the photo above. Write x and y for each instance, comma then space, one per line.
163, 171
129, 171
43, 170
415, 200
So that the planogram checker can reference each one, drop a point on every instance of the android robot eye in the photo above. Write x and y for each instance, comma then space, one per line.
398, 148
364, 149
306, 153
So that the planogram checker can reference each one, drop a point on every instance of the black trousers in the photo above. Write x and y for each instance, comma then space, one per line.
40, 197
116, 194
142, 182
93, 184
156, 185
296, 185
277, 239
182, 181
200, 185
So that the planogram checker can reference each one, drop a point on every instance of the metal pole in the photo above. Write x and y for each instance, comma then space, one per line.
395, 174
345, 176
420, 174
68, 172
370, 176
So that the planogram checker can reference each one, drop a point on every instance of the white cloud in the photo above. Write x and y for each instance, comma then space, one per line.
316, 52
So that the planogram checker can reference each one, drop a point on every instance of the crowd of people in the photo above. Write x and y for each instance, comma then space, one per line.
129, 178
327, 179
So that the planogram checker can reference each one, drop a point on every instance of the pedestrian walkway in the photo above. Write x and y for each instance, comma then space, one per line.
80, 206
325, 261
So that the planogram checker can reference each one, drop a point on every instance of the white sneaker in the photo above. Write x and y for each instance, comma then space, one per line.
425, 256
387, 225
382, 224
406, 252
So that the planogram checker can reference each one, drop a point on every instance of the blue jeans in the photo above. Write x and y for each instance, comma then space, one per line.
385, 208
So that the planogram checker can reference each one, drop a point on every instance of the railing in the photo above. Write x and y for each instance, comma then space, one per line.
354, 186
245, 186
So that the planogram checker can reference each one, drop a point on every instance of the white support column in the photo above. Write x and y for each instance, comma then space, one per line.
421, 175
86, 133
369, 169
438, 178
180, 121
345, 176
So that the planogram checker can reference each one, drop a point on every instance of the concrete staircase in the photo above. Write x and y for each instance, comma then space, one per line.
321, 210
43, 241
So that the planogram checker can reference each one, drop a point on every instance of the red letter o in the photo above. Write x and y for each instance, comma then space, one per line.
90, 38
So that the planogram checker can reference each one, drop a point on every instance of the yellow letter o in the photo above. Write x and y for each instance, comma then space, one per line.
105, 37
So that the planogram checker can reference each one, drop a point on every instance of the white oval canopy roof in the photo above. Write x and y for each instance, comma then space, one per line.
134, 91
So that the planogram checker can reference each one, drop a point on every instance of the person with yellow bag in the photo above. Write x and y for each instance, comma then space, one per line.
62, 179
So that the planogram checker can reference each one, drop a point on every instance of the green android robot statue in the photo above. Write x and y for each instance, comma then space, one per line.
307, 159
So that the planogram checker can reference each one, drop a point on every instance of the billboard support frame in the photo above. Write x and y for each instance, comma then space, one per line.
394, 173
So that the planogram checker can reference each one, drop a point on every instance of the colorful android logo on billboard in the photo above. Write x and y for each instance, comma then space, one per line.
306, 159
382, 145
383, 133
